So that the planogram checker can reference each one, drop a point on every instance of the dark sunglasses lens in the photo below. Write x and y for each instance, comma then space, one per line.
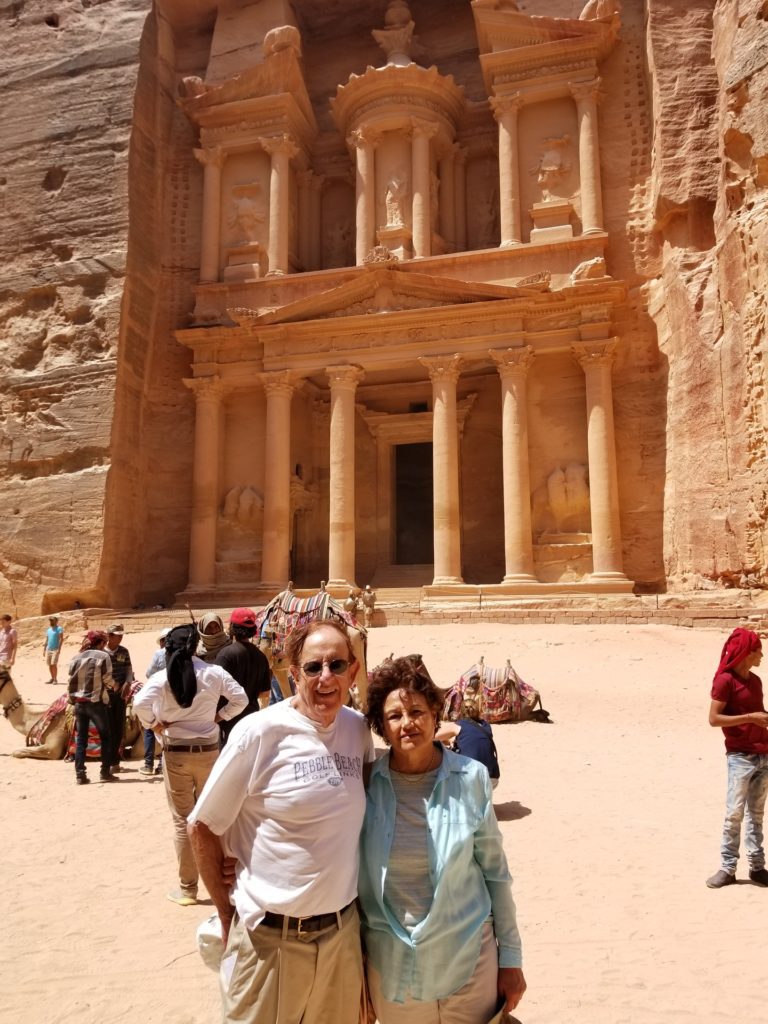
314, 668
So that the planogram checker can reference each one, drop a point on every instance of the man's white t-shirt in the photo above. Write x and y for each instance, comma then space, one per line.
286, 796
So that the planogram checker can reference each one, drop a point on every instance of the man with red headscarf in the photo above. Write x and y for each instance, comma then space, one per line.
90, 682
737, 709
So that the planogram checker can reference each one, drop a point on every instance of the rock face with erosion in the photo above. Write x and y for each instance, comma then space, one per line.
343, 291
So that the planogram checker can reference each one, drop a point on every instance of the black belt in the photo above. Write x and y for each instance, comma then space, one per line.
303, 924
192, 748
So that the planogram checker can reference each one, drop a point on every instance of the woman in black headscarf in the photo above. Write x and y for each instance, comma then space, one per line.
180, 704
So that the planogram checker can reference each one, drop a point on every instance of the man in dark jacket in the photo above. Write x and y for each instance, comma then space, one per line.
90, 686
246, 664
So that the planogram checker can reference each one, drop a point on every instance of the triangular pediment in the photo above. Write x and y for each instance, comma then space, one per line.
378, 291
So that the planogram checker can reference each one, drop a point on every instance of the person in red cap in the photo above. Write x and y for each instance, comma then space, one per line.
246, 664
737, 709
90, 683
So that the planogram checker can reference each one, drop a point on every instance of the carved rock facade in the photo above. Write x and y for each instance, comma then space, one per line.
460, 294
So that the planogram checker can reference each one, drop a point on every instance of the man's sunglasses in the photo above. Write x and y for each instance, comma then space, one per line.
313, 668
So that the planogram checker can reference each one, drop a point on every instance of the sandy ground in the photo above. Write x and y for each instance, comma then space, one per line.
611, 819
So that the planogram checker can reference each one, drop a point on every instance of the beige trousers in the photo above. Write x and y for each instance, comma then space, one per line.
315, 979
185, 775
473, 1003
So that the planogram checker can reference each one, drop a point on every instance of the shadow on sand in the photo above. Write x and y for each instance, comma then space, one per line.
511, 810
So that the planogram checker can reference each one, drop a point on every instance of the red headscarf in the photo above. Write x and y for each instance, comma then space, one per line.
92, 639
739, 644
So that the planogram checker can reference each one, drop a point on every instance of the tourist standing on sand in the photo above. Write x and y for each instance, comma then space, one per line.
181, 702
737, 708
246, 664
122, 673
9, 641
286, 800
439, 921
54, 639
90, 683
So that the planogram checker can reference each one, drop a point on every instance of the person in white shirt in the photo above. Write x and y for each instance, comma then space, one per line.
180, 702
285, 800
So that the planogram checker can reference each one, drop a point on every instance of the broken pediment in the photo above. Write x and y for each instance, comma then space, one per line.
382, 290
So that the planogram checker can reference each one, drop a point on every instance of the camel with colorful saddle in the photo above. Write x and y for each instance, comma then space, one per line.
50, 732
285, 612
503, 695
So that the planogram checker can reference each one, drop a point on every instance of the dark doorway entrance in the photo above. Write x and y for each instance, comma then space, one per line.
414, 535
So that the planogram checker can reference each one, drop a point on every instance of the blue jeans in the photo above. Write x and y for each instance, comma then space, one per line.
149, 748
85, 713
747, 791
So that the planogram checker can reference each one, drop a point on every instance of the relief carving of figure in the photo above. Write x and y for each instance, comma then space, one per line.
434, 199
589, 270
339, 241
246, 213
395, 200
561, 504
595, 9
552, 166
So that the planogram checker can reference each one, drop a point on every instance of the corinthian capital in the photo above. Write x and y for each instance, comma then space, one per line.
585, 91
513, 361
426, 128
345, 377
361, 137
507, 104
275, 144
442, 368
206, 389
278, 383
600, 353
210, 156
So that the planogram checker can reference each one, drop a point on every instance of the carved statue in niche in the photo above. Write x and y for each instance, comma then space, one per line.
589, 270
240, 524
561, 505
395, 203
595, 9
339, 245
246, 213
552, 166
488, 218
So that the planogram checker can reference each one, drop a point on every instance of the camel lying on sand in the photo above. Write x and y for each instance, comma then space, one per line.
48, 732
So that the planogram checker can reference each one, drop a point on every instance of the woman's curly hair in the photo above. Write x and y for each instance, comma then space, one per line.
407, 673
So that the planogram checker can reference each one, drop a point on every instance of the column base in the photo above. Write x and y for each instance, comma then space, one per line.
592, 231
511, 243
340, 588
277, 273
447, 581
519, 577
615, 582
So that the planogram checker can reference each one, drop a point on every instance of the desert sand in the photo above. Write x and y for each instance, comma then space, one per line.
611, 818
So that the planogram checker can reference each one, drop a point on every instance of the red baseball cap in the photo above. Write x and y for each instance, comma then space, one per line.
242, 617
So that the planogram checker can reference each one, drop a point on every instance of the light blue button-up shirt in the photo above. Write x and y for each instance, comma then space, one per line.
470, 879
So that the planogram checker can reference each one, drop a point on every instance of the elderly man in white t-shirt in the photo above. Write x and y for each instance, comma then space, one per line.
286, 801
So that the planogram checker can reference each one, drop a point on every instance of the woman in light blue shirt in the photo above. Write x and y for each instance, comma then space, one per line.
439, 920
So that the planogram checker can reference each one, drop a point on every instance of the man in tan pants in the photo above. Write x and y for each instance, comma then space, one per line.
286, 801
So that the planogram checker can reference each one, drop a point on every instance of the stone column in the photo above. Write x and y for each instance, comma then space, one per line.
447, 196
586, 94
281, 150
341, 486
315, 220
444, 373
460, 197
276, 530
304, 182
212, 159
364, 142
596, 359
513, 366
421, 182
505, 109
205, 480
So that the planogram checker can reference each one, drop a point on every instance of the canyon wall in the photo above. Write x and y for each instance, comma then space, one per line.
100, 202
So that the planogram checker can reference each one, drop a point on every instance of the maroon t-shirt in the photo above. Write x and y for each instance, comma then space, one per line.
741, 696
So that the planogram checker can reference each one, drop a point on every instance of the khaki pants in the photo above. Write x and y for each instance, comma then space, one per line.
185, 775
270, 979
473, 1003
